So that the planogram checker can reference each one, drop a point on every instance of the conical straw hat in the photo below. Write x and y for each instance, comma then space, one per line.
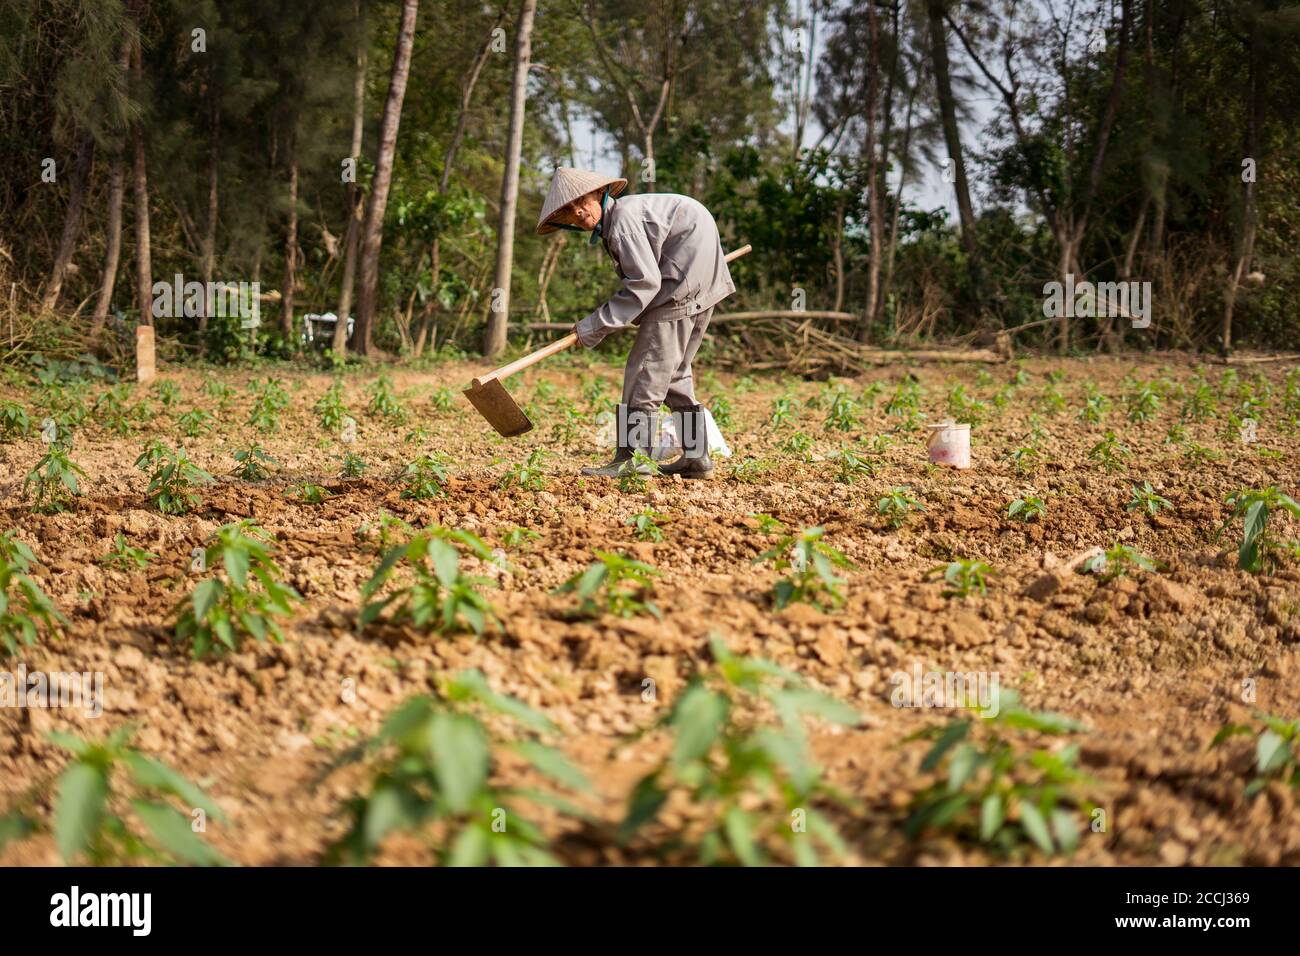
570, 184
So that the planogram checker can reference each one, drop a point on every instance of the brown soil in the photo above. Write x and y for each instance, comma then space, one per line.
1154, 664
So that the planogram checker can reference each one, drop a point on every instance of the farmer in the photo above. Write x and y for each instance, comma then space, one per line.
669, 256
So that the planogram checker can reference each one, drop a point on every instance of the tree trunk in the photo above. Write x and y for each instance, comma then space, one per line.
71, 222
112, 244
951, 132
1245, 250
874, 206
372, 231
140, 187
494, 340
352, 194
208, 245
290, 249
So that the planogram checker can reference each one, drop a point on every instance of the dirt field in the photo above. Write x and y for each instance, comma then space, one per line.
1152, 663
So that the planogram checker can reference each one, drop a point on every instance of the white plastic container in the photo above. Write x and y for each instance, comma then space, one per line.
949, 444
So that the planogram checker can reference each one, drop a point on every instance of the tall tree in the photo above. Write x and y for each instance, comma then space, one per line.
352, 193
372, 232
71, 222
494, 340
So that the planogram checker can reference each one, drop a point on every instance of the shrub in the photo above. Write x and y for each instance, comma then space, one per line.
755, 782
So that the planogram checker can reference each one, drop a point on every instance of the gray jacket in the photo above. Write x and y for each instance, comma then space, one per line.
669, 257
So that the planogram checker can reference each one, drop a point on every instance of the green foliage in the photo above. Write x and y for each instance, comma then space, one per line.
785, 410
613, 584
749, 470
528, 474
443, 399
167, 393
646, 524
964, 407
436, 594
1025, 459
1094, 408
1195, 454
384, 401
1143, 403
753, 780
89, 809
313, 494
812, 562
1118, 561
798, 444
437, 758
1109, 452
630, 477
1145, 499
270, 399
897, 505
251, 463
25, 610
424, 478
1026, 509
844, 413
1259, 550
195, 422
766, 524
14, 423
722, 412
353, 466
996, 794
172, 483
964, 577
53, 483
112, 412
1275, 751
220, 613
126, 557
516, 537
850, 466
331, 409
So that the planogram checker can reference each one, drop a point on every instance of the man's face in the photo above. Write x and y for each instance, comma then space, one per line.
583, 212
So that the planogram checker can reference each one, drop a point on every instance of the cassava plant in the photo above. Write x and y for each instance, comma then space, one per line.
434, 593
26, 611
758, 793
812, 563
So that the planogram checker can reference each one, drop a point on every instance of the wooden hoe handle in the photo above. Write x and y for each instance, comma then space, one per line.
559, 345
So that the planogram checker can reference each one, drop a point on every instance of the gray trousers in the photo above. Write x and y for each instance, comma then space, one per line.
658, 368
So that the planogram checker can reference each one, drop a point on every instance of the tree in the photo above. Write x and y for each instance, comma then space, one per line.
494, 340
372, 229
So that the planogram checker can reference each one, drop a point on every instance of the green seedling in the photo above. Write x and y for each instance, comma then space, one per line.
26, 611
195, 422
436, 758
812, 562
1275, 751
1259, 550
850, 466
964, 577
1146, 500
1109, 452
251, 464
435, 593
220, 613
749, 470
898, 505
172, 483
993, 793
331, 408
353, 466
53, 483
645, 525
311, 494
1118, 561
424, 478
125, 557
14, 422
384, 401
1026, 509
751, 778
613, 584
529, 474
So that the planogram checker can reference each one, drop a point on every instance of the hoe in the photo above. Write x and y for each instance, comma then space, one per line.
489, 396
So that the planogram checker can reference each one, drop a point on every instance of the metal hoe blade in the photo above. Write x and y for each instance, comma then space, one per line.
495, 404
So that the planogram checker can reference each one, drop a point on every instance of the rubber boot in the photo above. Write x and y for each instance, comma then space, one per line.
695, 461
636, 432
